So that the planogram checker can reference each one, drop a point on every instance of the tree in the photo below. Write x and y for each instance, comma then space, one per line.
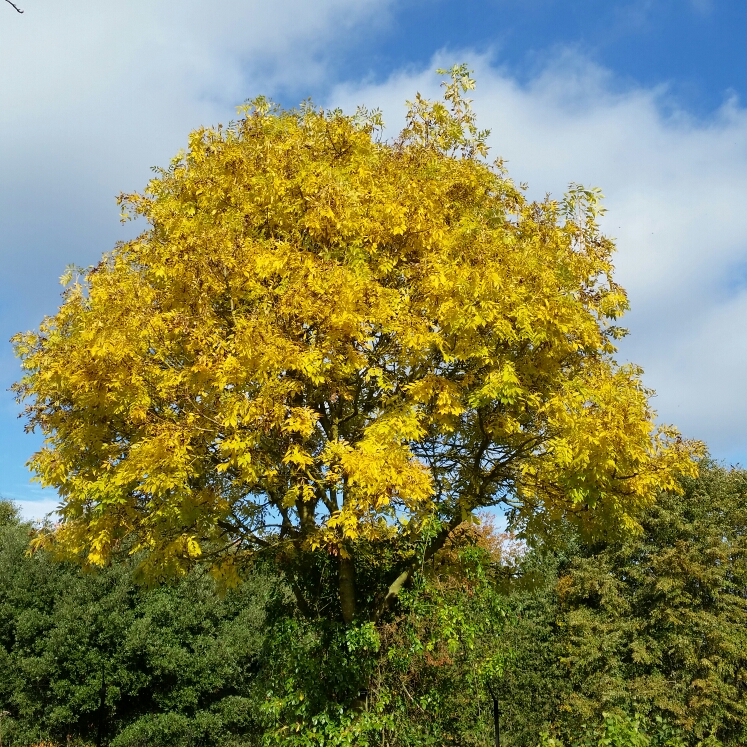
534, 682
327, 344
9, 513
658, 622
94, 658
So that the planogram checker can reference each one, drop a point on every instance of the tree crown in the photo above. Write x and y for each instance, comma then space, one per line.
325, 338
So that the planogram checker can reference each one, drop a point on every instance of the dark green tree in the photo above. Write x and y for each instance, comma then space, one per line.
94, 656
534, 682
657, 623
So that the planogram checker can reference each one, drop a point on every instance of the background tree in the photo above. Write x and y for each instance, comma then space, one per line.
95, 658
658, 623
534, 683
327, 344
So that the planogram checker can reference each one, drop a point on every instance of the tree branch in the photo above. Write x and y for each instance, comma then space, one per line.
18, 10
396, 586
243, 533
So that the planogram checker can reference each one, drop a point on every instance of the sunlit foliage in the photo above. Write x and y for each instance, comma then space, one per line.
327, 341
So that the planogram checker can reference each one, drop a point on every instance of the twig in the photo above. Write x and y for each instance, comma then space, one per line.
18, 10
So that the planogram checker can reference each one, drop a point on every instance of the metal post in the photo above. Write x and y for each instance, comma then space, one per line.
496, 721
496, 715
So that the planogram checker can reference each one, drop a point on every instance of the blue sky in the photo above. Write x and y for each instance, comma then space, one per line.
644, 98
695, 48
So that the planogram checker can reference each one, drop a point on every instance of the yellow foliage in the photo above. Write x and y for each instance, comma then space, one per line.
325, 336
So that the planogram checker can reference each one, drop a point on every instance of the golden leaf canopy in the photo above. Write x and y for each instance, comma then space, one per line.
326, 337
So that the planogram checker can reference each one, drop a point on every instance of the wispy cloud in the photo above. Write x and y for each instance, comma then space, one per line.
704, 7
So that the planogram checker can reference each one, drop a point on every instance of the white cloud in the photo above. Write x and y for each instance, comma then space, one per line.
94, 94
37, 511
675, 190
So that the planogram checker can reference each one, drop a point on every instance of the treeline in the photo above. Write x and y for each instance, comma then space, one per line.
639, 639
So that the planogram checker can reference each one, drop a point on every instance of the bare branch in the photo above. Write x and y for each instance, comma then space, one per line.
18, 10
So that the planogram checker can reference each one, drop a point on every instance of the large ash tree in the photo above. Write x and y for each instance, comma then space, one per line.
333, 348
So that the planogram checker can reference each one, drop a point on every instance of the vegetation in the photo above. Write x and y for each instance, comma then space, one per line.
93, 656
286, 407
658, 622
640, 640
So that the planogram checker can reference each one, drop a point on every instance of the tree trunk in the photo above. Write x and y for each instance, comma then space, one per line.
347, 589
396, 585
